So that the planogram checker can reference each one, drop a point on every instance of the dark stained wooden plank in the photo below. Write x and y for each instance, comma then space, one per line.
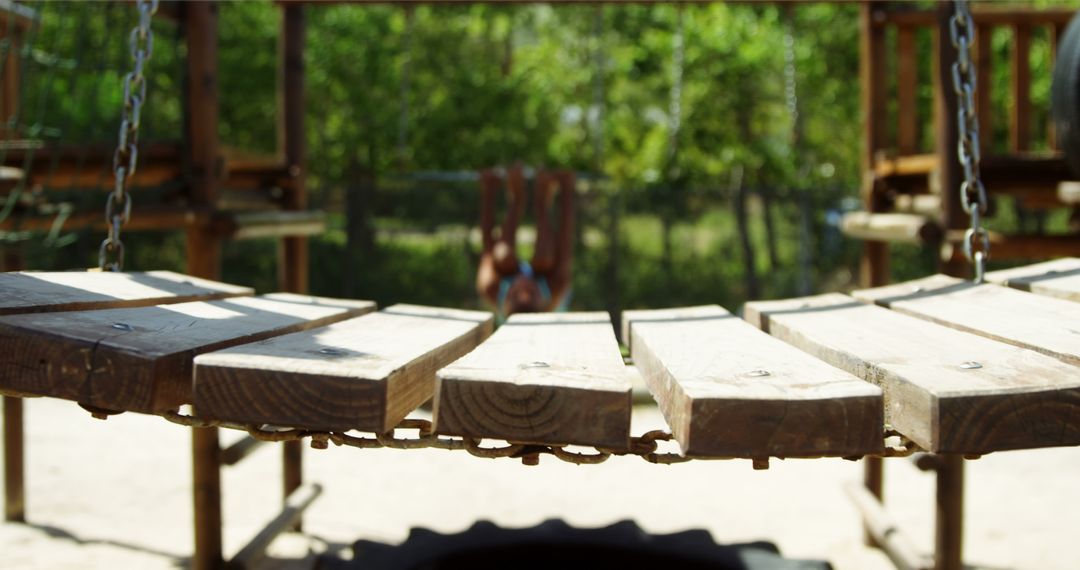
1057, 278
728, 389
140, 359
47, 291
541, 378
1043, 324
365, 373
947, 390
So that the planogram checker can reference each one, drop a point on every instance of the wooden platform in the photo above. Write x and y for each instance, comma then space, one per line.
955, 367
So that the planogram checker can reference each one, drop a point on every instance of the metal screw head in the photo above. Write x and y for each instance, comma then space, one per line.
970, 365
123, 327
758, 373
331, 351
916, 289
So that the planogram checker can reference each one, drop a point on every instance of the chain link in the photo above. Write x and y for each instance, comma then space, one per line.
972, 192
646, 446
126, 157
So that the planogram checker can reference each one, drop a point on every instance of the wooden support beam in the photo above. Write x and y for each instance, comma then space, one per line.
984, 64
292, 143
984, 15
948, 137
907, 85
727, 389
874, 265
886, 532
14, 461
1034, 322
946, 390
1058, 278
554, 378
365, 373
949, 514
295, 504
1024, 247
239, 450
1020, 85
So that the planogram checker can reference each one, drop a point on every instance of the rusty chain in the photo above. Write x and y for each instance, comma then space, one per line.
972, 192
118, 204
645, 446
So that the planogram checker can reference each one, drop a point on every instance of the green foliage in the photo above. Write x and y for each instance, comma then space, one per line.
394, 90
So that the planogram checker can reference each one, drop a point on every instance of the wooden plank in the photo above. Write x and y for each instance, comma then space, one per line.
902, 228
365, 373
727, 389
1011, 398
1043, 324
1057, 278
140, 359
48, 291
541, 378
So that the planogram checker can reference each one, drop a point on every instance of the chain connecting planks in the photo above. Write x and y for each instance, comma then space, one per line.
953, 368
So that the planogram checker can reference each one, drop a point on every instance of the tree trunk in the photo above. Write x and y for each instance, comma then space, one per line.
749, 261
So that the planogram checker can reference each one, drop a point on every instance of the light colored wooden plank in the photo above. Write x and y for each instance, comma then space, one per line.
541, 378
1057, 278
1043, 324
47, 291
365, 373
140, 359
903, 228
729, 389
1013, 399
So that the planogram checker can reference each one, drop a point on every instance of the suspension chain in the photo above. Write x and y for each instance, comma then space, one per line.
972, 192
646, 446
118, 204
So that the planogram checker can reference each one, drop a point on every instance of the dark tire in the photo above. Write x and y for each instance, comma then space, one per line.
1065, 95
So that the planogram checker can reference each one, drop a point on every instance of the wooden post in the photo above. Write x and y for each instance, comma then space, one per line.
949, 519
983, 107
14, 465
948, 137
948, 548
14, 440
874, 267
204, 256
1020, 127
293, 256
907, 84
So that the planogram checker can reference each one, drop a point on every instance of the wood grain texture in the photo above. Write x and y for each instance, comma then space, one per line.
541, 378
140, 359
1043, 324
48, 291
365, 373
1057, 278
1015, 399
729, 389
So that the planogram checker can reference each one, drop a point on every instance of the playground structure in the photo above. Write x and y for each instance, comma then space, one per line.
277, 186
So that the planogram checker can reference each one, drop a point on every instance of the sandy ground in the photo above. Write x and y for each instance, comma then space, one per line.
116, 494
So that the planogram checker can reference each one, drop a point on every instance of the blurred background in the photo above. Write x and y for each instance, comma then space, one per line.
716, 145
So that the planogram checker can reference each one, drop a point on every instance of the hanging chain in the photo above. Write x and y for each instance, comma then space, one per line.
972, 192
118, 204
645, 446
